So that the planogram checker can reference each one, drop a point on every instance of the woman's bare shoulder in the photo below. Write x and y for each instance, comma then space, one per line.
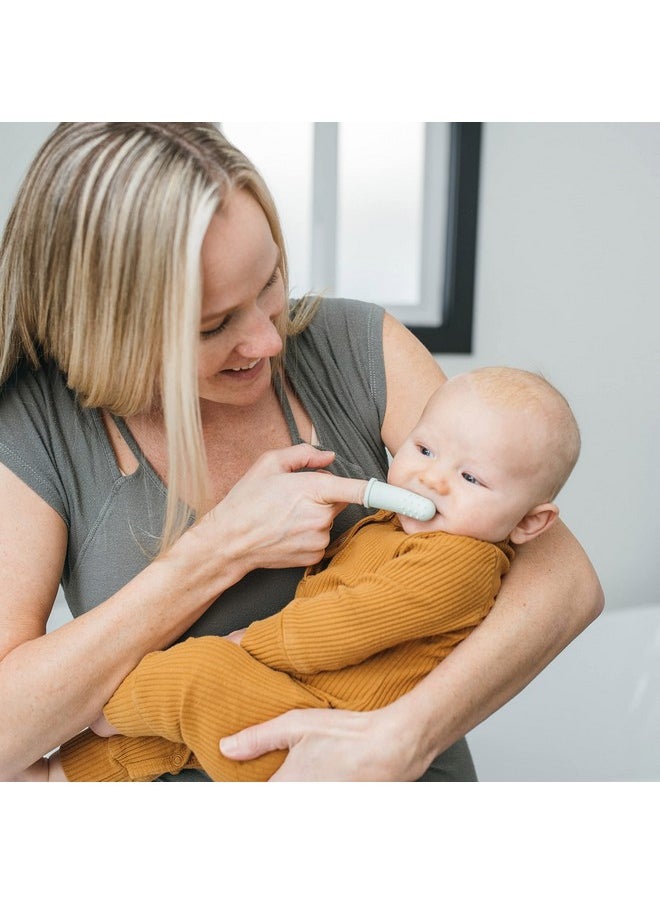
412, 375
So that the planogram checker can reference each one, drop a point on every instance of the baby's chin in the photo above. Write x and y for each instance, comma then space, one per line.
413, 526
440, 523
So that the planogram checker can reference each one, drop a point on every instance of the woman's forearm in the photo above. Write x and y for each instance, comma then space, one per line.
551, 594
52, 686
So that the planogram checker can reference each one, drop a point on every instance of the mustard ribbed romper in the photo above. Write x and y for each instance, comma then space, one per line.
373, 618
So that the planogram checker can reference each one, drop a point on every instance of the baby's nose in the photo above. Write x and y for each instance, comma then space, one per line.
436, 481
442, 486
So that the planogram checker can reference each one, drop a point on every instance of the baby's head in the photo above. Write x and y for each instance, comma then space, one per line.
492, 449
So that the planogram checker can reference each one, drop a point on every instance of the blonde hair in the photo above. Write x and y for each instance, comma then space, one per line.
100, 272
522, 390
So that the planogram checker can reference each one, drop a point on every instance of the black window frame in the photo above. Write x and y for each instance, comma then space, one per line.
454, 333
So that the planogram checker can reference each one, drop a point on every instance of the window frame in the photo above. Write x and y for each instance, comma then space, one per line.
452, 332
450, 214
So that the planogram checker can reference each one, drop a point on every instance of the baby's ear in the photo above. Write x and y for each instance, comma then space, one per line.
534, 523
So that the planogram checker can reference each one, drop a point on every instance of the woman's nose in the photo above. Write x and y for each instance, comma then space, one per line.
260, 339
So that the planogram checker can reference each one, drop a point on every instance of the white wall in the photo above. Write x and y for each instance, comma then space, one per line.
567, 283
19, 141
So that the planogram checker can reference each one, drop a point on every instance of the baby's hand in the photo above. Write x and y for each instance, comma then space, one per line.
236, 636
102, 727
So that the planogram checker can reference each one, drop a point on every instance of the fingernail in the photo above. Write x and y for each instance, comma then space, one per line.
228, 746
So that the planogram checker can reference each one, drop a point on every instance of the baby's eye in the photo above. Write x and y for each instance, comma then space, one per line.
424, 451
469, 477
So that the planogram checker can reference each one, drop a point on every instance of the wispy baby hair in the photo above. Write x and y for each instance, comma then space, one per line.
524, 391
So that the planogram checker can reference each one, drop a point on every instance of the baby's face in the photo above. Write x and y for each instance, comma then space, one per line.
476, 461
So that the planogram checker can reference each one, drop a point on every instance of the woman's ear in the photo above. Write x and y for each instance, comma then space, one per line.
534, 523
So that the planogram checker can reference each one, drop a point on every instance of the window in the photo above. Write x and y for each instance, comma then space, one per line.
381, 211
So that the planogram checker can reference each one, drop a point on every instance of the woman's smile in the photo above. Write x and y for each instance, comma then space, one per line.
244, 372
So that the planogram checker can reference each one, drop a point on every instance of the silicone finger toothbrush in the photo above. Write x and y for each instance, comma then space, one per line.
382, 495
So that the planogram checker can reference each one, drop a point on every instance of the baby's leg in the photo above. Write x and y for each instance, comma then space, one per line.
201, 690
90, 758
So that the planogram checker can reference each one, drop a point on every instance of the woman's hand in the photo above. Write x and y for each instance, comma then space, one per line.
332, 745
280, 512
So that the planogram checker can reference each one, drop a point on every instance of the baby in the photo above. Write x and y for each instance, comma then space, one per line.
389, 601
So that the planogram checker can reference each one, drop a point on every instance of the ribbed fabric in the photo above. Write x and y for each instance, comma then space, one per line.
88, 758
197, 692
366, 625
380, 588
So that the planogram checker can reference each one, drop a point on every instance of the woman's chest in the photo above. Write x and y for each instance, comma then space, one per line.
233, 440
229, 458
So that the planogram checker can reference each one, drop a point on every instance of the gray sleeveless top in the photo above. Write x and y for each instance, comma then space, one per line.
62, 451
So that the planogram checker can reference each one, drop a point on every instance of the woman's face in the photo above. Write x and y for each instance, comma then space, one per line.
243, 294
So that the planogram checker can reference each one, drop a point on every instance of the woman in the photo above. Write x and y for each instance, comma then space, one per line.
144, 309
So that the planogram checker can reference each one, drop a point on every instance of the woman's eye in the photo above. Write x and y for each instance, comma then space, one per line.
208, 334
469, 477
273, 279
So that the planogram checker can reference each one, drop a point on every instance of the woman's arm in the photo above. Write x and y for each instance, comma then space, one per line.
411, 375
549, 597
52, 685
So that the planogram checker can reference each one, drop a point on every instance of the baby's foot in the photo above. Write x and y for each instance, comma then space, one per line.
55, 771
